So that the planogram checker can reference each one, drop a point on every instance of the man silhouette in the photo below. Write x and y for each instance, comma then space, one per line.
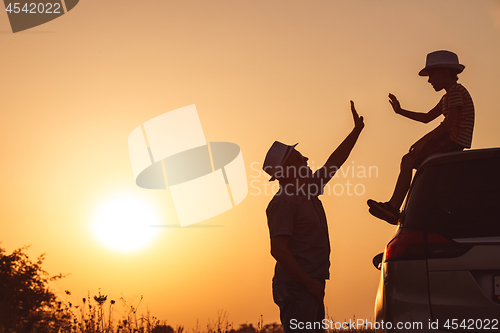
299, 231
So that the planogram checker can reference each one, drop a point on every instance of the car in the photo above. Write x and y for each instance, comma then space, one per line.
441, 270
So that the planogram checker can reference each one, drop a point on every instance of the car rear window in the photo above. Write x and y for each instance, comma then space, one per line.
457, 199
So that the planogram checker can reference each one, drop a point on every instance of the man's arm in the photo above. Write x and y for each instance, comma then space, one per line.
280, 252
417, 116
340, 155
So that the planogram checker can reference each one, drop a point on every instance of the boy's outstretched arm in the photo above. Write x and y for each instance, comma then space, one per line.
417, 116
340, 155
444, 127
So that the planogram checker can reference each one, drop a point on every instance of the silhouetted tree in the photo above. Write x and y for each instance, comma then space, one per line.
244, 328
272, 328
249, 328
26, 303
163, 329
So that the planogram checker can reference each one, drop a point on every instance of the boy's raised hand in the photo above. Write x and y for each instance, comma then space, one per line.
395, 103
358, 121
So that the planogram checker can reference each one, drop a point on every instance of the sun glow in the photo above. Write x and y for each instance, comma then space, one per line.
124, 223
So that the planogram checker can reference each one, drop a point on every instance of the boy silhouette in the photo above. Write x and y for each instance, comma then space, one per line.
453, 134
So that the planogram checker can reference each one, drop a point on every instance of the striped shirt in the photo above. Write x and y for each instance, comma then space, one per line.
458, 96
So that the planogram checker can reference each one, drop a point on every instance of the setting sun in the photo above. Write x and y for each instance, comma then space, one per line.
123, 223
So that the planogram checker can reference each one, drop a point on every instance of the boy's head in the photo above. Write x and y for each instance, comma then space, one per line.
442, 59
442, 77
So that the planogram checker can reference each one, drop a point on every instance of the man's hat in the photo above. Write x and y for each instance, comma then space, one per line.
276, 157
438, 59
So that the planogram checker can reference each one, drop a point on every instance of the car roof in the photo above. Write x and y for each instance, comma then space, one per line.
471, 154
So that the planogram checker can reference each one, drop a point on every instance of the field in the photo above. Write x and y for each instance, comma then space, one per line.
28, 305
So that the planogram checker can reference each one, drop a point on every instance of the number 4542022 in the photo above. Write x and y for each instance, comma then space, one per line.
471, 324
34, 8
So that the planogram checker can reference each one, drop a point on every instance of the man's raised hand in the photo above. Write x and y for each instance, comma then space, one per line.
358, 121
395, 103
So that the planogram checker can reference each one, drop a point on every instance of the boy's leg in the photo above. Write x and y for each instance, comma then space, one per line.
389, 211
403, 182
442, 144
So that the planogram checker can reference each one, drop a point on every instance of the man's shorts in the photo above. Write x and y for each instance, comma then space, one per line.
300, 311
441, 144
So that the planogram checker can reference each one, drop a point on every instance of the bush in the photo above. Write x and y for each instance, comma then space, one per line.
26, 303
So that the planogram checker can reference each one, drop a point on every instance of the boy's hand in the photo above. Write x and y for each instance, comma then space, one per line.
358, 121
395, 103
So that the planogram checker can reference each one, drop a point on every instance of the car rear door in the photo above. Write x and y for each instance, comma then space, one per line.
458, 203
464, 293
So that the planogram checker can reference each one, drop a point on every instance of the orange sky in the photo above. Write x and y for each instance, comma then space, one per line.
73, 89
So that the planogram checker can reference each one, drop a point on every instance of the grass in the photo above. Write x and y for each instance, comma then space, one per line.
28, 306
97, 315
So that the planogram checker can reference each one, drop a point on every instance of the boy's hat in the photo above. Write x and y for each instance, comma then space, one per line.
276, 157
438, 59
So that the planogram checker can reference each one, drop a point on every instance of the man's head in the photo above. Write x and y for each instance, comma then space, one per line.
295, 167
284, 162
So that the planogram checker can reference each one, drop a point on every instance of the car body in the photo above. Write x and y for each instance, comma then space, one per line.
442, 267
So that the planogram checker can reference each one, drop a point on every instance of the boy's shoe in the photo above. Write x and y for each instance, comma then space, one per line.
383, 211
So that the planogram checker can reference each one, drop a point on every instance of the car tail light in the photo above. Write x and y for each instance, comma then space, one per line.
414, 244
407, 244
441, 247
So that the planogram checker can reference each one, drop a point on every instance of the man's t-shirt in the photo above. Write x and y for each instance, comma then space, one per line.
304, 220
458, 96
